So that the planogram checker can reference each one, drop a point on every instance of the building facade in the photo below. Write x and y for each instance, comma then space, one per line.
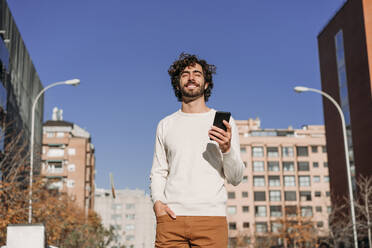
130, 213
345, 57
68, 159
19, 85
286, 176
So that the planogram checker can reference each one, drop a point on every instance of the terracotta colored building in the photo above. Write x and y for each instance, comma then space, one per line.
68, 158
345, 56
286, 175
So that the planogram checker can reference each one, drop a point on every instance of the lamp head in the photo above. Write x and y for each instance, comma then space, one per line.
300, 89
73, 82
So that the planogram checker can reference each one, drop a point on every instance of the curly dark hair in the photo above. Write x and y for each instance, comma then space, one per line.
184, 61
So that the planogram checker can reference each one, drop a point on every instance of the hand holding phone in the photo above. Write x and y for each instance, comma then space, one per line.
218, 120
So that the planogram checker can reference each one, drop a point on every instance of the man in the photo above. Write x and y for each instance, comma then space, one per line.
192, 159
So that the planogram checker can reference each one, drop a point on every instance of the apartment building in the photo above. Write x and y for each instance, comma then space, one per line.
286, 175
68, 159
130, 213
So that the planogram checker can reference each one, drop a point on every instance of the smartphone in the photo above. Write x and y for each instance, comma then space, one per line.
219, 117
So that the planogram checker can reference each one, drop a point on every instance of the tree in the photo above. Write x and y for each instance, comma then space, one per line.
66, 224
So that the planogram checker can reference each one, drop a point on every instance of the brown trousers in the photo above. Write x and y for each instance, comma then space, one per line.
191, 231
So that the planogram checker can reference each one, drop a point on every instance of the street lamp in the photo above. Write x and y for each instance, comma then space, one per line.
73, 82
300, 89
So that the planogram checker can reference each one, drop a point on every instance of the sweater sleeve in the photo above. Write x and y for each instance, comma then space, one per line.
233, 165
159, 171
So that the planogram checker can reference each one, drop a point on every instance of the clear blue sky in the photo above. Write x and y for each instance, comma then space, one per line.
121, 51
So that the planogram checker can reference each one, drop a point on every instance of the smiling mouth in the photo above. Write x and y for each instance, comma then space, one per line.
191, 86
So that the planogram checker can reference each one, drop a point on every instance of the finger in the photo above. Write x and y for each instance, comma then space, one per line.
212, 137
227, 125
217, 129
219, 135
170, 212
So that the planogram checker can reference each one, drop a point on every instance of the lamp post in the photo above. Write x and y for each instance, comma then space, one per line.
300, 89
73, 82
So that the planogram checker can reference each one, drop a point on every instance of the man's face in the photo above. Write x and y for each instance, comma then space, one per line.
192, 83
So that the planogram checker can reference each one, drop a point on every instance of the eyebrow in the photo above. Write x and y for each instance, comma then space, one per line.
192, 71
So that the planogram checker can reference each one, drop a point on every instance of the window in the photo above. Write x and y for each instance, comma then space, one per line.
275, 211
231, 210
232, 225
289, 181
245, 194
326, 179
259, 196
303, 166
304, 180
291, 211
318, 209
231, 195
245, 179
129, 227
245, 164
116, 206
317, 193
275, 195
329, 209
305, 195
55, 166
319, 224
260, 211
287, 151
257, 152
274, 181
316, 179
130, 216
306, 211
276, 227
315, 165
71, 151
116, 217
290, 195
324, 149
328, 193
261, 227
314, 149
258, 181
273, 166
60, 134
56, 152
70, 183
243, 150
258, 166
302, 151
50, 134
288, 166
325, 164
272, 152
245, 209
71, 167
245, 224
129, 206
129, 237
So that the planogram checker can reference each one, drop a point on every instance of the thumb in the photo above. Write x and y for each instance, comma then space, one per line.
170, 212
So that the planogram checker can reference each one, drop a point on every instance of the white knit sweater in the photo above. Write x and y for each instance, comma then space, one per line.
189, 170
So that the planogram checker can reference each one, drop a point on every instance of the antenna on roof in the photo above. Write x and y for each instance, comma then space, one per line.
112, 186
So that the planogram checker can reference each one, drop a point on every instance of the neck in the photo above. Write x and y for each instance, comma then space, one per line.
194, 106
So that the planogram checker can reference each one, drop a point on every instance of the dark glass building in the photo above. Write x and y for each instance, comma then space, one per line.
19, 85
345, 56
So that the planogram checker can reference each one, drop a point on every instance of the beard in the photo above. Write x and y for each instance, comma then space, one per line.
195, 93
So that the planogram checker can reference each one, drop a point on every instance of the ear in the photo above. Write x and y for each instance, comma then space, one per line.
206, 85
